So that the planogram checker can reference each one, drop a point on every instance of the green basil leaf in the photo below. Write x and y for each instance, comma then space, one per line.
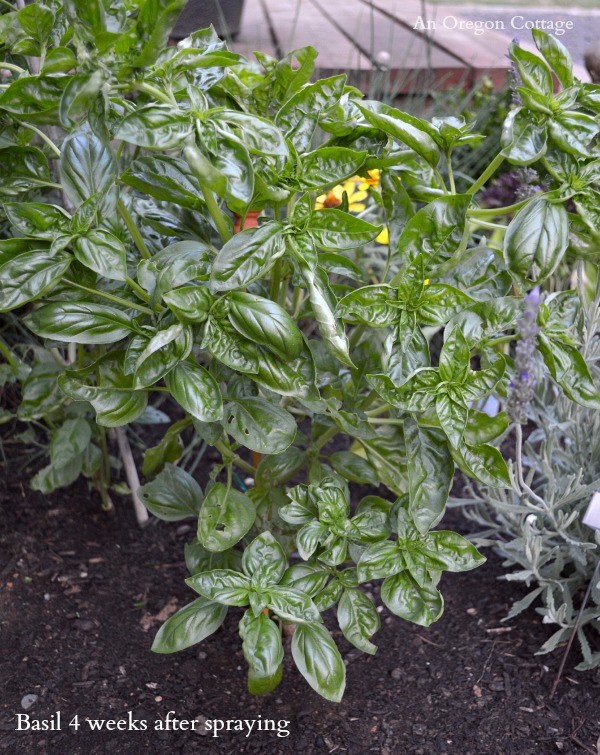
221, 585
161, 353
230, 348
278, 469
156, 127
41, 395
69, 441
194, 389
358, 620
525, 142
455, 357
404, 597
538, 237
259, 425
483, 463
41, 221
79, 96
309, 537
29, 276
259, 135
482, 383
189, 303
165, 178
353, 467
264, 560
113, 407
481, 428
335, 230
407, 129
435, 232
265, 322
247, 256
263, 651
88, 167
380, 560
172, 495
455, 551
533, 71
414, 395
79, 322
332, 333
103, 253
292, 605
453, 416
430, 474
328, 165
570, 370
319, 661
299, 116
556, 54
225, 517
307, 577
190, 625
376, 306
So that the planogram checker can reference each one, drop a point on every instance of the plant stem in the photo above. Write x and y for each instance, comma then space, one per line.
43, 136
7, 355
385, 421
486, 224
216, 214
111, 297
137, 288
234, 458
440, 180
326, 437
104, 480
12, 67
487, 173
378, 410
495, 211
450, 173
143, 86
133, 230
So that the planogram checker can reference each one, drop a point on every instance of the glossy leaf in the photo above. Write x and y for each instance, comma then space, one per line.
225, 517
188, 626
194, 389
172, 495
259, 425
103, 253
79, 322
404, 597
319, 661
358, 620
265, 322
247, 256
263, 651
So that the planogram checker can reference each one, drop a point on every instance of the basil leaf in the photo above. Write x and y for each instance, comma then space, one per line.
536, 237
380, 560
358, 620
292, 605
194, 388
103, 253
264, 560
259, 425
430, 474
265, 322
221, 585
327, 165
225, 517
247, 256
319, 661
263, 651
29, 276
404, 597
172, 495
334, 230
484, 463
407, 129
79, 322
155, 127
453, 415
375, 306
189, 303
455, 551
190, 625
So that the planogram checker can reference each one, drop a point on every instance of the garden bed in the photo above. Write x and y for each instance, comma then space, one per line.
80, 593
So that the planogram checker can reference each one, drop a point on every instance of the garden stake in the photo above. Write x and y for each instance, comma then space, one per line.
592, 519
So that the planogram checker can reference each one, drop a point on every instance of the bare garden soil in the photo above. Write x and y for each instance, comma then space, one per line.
82, 594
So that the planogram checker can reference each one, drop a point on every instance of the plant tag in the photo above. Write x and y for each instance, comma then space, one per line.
592, 515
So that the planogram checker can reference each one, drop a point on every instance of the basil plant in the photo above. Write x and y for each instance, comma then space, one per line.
294, 267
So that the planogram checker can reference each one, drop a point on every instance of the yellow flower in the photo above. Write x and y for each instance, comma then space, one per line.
334, 198
371, 182
384, 237
426, 282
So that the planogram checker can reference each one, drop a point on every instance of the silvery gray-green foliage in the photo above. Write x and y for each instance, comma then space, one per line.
123, 162
542, 539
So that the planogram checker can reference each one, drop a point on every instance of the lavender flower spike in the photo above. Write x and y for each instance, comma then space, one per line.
523, 383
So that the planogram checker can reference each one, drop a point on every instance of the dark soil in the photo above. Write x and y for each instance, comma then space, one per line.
81, 597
